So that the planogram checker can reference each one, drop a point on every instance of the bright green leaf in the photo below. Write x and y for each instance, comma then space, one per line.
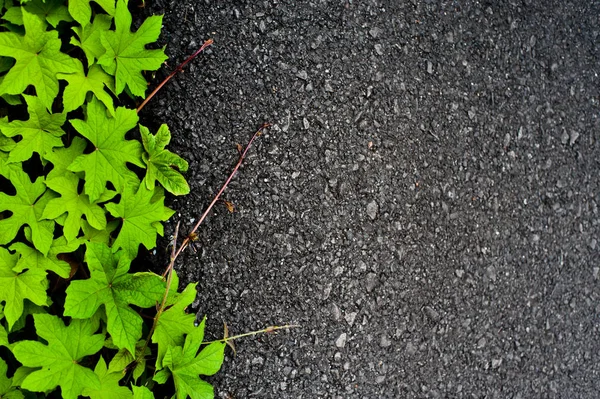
186, 364
27, 207
38, 60
59, 360
109, 384
62, 157
90, 37
82, 11
108, 161
141, 215
142, 393
126, 55
40, 133
174, 323
7, 389
16, 287
73, 203
53, 11
80, 84
111, 285
31, 259
162, 164
99, 236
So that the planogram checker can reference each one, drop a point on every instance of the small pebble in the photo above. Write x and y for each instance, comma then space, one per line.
305, 123
374, 32
372, 209
385, 341
341, 341
573, 138
350, 317
429, 67
371, 281
564, 138
302, 75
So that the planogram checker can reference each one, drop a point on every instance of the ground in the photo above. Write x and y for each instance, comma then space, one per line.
425, 205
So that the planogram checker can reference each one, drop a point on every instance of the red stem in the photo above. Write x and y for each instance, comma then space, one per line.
178, 69
187, 240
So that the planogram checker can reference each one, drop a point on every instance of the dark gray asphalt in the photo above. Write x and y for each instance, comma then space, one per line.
425, 205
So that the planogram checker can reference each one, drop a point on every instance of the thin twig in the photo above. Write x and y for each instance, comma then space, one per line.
187, 240
264, 330
178, 69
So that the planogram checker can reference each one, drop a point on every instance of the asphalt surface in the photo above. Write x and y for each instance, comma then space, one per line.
425, 205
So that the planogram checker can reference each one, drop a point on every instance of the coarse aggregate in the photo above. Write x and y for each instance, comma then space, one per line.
424, 206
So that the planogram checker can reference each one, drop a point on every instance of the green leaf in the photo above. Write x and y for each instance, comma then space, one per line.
142, 393
174, 323
74, 204
161, 164
126, 55
109, 384
108, 161
123, 359
141, 215
27, 207
186, 364
53, 11
59, 360
62, 157
31, 259
40, 133
8, 169
111, 285
99, 236
38, 60
29, 308
7, 389
82, 11
80, 84
16, 287
90, 37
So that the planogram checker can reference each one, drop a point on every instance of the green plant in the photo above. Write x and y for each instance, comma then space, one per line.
79, 196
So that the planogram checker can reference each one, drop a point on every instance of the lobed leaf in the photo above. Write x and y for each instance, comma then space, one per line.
16, 287
186, 365
162, 164
38, 60
59, 360
141, 214
40, 133
107, 163
111, 285
126, 55
27, 207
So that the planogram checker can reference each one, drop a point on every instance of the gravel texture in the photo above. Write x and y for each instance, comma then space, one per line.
425, 205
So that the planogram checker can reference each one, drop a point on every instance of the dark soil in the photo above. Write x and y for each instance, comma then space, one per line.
425, 205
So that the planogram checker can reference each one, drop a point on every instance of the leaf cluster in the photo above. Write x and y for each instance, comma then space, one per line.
82, 187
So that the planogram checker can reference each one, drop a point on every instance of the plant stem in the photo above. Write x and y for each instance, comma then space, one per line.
187, 240
178, 69
176, 251
264, 330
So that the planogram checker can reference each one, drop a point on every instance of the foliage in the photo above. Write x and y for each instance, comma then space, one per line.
83, 186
